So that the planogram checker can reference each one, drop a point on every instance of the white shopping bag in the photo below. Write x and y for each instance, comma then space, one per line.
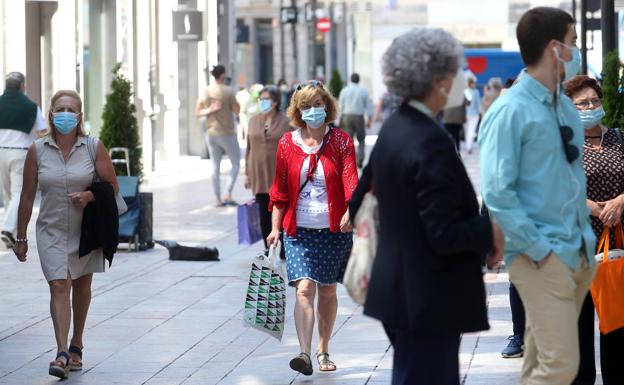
265, 300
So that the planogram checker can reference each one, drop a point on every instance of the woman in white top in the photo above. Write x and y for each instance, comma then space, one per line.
315, 177
61, 165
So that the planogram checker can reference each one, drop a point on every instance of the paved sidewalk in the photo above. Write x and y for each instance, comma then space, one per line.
160, 322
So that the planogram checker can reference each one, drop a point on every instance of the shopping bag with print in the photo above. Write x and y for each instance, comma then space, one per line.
364, 249
606, 289
265, 300
249, 230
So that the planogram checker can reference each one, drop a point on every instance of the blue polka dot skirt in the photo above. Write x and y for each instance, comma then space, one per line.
318, 255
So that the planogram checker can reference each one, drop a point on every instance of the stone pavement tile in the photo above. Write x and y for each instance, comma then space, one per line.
160, 322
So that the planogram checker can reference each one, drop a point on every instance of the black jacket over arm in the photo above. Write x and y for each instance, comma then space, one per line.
427, 274
100, 222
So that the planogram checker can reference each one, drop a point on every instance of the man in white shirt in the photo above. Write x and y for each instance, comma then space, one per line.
21, 122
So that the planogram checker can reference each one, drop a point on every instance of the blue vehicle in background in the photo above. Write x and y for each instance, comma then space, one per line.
488, 63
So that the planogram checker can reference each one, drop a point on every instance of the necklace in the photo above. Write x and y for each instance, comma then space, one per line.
592, 147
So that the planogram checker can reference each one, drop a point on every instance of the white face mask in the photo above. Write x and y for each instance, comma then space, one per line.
455, 96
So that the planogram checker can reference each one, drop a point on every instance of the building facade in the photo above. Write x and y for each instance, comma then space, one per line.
74, 44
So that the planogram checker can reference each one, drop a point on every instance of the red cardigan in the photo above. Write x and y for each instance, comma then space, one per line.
341, 178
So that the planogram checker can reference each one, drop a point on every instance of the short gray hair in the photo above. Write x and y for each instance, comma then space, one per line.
418, 58
14, 81
496, 83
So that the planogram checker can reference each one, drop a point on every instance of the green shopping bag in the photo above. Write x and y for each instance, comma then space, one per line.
265, 300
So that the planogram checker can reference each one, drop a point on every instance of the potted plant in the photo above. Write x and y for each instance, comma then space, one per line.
119, 124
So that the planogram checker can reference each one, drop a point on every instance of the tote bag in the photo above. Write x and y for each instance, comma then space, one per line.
265, 299
608, 287
364, 249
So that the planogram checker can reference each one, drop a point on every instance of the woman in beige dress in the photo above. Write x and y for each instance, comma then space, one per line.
60, 164
265, 130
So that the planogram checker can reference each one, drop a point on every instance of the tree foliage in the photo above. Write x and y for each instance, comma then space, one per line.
612, 85
119, 124
335, 83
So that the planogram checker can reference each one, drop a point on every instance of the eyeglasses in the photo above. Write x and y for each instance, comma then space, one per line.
571, 151
310, 84
584, 104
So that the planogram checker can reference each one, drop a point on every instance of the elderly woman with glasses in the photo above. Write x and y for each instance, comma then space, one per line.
265, 130
315, 177
603, 162
426, 285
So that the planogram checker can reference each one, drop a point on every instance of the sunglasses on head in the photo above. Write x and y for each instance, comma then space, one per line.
310, 84
571, 151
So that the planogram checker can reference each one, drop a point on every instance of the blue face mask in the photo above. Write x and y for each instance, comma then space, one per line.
65, 122
591, 118
265, 105
314, 117
573, 66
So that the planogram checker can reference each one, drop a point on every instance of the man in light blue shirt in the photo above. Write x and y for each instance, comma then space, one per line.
354, 103
533, 183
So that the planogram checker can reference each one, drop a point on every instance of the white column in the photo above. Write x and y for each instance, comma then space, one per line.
15, 39
212, 34
141, 80
64, 42
168, 65
2, 44
125, 40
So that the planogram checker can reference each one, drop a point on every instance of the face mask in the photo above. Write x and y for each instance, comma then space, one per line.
314, 117
284, 88
571, 67
455, 97
265, 105
591, 118
65, 122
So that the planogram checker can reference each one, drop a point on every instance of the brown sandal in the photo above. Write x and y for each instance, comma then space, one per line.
59, 367
302, 364
325, 364
75, 365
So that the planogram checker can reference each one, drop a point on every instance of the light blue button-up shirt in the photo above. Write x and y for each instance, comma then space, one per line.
533, 193
353, 100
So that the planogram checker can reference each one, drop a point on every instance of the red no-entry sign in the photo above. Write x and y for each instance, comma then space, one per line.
323, 24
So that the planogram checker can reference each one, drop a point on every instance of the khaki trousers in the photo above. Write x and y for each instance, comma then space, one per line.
552, 296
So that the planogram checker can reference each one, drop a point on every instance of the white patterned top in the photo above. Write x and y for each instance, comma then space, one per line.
312, 206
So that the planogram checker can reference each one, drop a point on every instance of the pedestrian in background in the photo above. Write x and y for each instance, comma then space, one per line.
426, 285
533, 183
315, 177
21, 122
218, 105
282, 86
454, 120
387, 105
603, 162
491, 91
61, 165
473, 111
354, 105
265, 130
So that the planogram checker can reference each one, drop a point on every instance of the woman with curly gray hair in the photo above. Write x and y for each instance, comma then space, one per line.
426, 285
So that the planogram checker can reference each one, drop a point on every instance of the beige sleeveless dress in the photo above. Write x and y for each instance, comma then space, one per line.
59, 221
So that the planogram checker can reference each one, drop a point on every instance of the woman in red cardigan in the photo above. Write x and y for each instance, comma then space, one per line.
315, 177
